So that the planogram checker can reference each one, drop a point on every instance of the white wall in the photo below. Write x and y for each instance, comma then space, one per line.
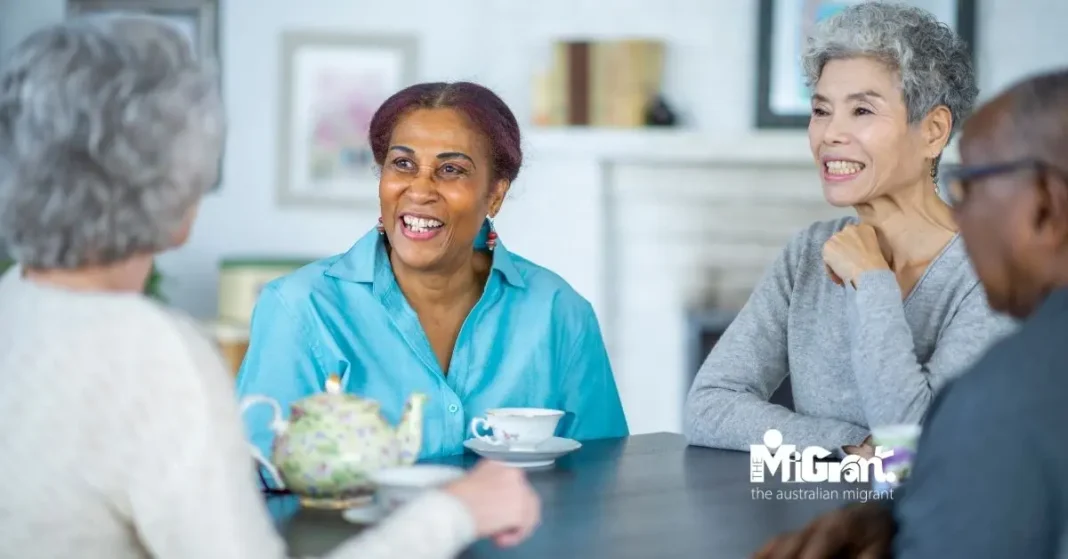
709, 77
20, 17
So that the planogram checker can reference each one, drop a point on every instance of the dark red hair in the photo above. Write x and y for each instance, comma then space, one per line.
482, 107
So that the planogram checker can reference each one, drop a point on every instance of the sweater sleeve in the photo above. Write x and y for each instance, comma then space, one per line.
193, 492
894, 386
434, 526
728, 405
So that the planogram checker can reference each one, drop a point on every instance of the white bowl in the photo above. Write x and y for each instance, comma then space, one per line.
398, 486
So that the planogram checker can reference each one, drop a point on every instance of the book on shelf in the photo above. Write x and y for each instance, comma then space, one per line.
599, 83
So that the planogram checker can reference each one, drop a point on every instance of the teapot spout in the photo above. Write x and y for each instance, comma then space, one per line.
410, 430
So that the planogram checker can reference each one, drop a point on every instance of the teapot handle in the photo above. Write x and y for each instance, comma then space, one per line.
266, 464
278, 425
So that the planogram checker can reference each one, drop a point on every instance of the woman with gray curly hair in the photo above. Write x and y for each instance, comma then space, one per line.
123, 437
869, 315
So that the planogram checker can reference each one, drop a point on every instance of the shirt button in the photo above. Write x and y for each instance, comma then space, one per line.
454, 408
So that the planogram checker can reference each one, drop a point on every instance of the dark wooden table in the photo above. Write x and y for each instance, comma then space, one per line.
647, 496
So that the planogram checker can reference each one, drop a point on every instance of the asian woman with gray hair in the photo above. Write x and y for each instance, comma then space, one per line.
868, 315
123, 438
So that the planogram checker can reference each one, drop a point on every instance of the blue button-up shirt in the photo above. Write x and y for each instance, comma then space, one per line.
530, 341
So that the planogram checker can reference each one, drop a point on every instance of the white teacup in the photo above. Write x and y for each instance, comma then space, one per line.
398, 486
902, 439
517, 428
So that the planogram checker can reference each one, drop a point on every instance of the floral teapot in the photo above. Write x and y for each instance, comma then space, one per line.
333, 441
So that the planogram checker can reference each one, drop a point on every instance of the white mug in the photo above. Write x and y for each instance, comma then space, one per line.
517, 428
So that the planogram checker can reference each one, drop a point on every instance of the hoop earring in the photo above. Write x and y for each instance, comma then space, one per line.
381, 227
491, 237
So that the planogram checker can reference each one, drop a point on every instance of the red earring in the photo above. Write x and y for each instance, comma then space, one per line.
381, 227
491, 237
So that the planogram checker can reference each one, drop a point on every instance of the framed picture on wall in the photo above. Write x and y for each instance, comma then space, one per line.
197, 19
783, 29
331, 86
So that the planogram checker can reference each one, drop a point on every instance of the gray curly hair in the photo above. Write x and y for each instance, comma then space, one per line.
111, 130
934, 64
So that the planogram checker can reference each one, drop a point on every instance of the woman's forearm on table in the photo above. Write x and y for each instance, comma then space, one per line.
728, 405
721, 418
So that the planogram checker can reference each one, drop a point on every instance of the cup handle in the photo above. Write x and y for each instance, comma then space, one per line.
489, 439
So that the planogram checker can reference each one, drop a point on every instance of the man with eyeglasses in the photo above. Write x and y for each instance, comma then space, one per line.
991, 474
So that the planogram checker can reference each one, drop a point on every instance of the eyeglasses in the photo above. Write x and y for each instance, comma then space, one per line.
957, 177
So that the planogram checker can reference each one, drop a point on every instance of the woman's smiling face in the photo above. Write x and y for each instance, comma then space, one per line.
437, 187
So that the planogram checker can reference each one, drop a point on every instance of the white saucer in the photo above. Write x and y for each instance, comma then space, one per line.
544, 455
368, 514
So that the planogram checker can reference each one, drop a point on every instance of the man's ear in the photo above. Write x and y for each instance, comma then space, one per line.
497, 194
1051, 212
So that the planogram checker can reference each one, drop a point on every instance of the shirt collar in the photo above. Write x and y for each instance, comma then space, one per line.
368, 257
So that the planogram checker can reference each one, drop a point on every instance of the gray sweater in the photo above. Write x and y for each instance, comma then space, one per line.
856, 357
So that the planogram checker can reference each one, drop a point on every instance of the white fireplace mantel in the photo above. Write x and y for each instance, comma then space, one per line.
676, 146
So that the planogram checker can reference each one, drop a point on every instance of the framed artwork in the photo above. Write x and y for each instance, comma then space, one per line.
783, 29
197, 19
331, 86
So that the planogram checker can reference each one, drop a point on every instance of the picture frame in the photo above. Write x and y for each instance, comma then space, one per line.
198, 19
782, 99
331, 84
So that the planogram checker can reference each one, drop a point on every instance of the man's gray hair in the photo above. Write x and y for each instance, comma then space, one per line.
933, 63
111, 130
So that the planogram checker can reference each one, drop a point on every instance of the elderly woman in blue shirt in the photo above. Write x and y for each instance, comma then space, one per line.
431, 301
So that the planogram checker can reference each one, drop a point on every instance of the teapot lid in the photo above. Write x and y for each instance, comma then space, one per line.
333, 399
333, 384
